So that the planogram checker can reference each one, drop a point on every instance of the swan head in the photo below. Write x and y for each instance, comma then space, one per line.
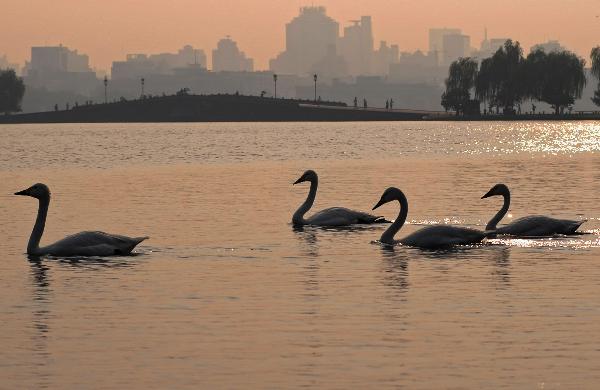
309, 175
498, 189
389, 195
38, 191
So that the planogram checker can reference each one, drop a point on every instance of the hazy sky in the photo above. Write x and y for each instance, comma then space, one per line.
107, 30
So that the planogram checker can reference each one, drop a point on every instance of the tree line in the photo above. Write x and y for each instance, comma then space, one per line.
12, 90
505, 80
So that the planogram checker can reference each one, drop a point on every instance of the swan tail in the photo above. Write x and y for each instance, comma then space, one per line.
135, 241
575, 225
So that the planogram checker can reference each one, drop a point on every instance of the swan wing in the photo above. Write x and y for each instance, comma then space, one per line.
341, 216
443, 236
93, 244
539, 225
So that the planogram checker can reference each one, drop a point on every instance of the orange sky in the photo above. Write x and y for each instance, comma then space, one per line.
107, 30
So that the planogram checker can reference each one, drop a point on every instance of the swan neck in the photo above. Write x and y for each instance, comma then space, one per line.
388, 236
500, 214
298, 218
38, 229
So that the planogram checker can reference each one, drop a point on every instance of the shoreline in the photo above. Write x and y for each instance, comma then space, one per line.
185, 107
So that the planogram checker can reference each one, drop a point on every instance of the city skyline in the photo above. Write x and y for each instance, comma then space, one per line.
133, 27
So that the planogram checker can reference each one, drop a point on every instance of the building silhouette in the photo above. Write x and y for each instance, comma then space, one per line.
384, 57
227, 57
309, 37
418, 68
436, 41
141, 65
455, 46
57, 68
356, 46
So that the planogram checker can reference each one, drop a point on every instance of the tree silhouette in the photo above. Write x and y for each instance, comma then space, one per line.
500, 78
460, 81
595, 56
12, 90
556, 78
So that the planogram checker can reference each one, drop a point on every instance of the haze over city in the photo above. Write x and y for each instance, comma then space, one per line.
109, 30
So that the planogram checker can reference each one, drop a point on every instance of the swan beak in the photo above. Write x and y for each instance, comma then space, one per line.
489, 193
381, 202
24, 192
300, 180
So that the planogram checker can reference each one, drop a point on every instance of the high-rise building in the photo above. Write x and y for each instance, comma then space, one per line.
57, 68
308, 38
455, 46
436, 40
489, 46
227, 57
384, 57
356, 46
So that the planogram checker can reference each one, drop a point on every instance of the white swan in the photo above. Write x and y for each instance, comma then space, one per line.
531, 226
80, 244
430, 237
334, 216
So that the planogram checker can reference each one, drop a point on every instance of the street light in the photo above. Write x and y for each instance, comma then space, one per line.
275, 81
315, 78
105, 88
143, 80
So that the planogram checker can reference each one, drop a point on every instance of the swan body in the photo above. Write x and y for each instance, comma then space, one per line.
333, 216
530, 226
91, 243
430, 237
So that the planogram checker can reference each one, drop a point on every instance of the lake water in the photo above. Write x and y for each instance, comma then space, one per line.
226, 294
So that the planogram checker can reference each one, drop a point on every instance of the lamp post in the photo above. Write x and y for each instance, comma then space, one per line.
315, 79
275, 81
105, 88
143, 81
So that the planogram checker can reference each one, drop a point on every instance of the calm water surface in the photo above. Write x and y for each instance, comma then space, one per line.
226, 294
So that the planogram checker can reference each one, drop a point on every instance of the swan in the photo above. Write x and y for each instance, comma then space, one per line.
430, 237
533, 225
80, 244
333, 216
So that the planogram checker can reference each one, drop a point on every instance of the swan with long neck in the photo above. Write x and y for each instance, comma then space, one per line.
530, 226
430, 237
333, 216
80, 244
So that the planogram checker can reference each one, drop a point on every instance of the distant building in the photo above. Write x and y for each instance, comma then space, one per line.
384, 57
57, 68
436, 41
330, 66
309, 37
58, 59
418, 68
141, 65
455, 46
489, 46
227, 57
356, 46
548, 47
